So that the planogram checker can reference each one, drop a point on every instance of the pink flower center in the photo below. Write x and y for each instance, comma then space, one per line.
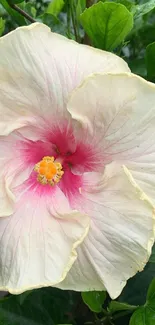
59, 158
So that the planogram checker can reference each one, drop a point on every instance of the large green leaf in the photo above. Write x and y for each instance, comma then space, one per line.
55, 7
141, 316
107, 24
94, 300
145, 315
150, 61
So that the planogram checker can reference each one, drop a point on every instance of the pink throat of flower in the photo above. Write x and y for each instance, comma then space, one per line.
59, 160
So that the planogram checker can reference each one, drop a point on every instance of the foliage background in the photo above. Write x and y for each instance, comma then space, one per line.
127, 28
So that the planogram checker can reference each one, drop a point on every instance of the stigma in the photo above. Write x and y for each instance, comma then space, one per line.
49, 171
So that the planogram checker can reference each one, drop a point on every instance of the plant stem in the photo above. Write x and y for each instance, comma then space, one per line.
22, 12
86, 39
68, 19
74, 21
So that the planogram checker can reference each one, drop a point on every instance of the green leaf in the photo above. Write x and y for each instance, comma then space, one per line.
138, 66
107, 24
30, 9
118, 306
151, 292
94, 300
81, 5
46, 306
19, 19
143, 9
145, 315
2, 26
150, 61
54, 23
129, 5
55, 7
139, 317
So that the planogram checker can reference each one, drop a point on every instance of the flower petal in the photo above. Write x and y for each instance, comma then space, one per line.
121, 235
143, 171
38, 70
38, 243
120, 110
7, 199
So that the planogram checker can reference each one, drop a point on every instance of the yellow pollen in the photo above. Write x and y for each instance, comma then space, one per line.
49, 171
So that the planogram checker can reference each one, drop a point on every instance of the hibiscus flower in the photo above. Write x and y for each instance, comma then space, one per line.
77, 162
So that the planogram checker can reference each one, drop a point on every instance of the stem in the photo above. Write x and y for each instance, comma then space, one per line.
73, 21
86, 39
68, 19
22, 12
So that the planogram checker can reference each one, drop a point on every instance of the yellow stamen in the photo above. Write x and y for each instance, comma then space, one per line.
49, 171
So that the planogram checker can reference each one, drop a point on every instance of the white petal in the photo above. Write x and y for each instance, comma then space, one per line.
120, 238
13, 172
120, 110
38, 70
38, 248
143, 171
7, 198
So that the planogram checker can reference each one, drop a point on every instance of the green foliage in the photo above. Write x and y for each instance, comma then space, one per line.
14, 1
145, 315
129, 5
81, 5
143, 9
21, 298
38, 307
119, 306
136, 289
19, 19
30, 9
55, 7
2, 26
107, 24
94, 300
150, 61
152, 258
